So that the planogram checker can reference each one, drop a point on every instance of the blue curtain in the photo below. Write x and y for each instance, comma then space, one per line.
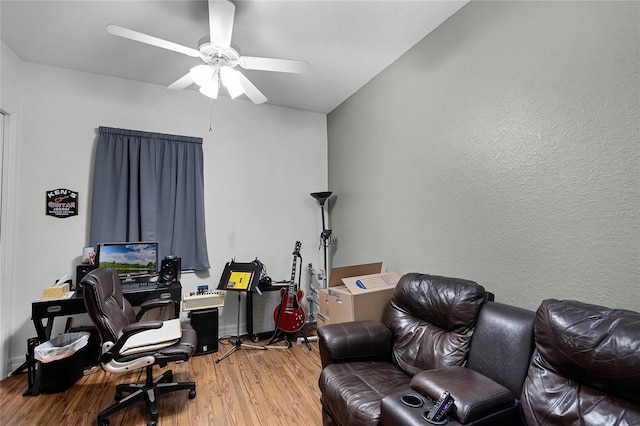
150, 187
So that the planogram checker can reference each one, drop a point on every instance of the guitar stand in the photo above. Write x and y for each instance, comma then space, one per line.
277, 334
238, 342
274, 339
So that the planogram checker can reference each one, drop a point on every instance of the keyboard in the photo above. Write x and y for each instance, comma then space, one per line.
132, 287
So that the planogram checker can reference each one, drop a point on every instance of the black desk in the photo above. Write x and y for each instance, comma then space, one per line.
49, 309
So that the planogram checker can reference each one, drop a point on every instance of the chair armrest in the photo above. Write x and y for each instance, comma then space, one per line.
152, 304
354, 341
475, 395
127, 332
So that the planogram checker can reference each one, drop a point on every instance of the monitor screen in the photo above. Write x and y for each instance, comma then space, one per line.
130, 259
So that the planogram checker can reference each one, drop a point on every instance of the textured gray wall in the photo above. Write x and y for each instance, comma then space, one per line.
503, 148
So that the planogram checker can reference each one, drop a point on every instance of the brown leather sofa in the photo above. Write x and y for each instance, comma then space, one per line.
442, 334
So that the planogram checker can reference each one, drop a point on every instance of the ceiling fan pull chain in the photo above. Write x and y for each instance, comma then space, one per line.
210, 114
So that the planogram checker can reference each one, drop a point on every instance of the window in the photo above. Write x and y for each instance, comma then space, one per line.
150, 187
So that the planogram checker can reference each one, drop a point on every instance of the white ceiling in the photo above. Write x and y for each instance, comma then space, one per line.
347, 42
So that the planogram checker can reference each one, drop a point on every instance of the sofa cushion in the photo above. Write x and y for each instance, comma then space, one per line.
432, 320
586, 366
353, 391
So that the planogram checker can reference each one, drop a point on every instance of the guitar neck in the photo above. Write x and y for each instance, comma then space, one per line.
296, 253
293, 276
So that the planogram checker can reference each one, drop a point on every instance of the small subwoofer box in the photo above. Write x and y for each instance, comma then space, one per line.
205, 323
170, 269
82, 270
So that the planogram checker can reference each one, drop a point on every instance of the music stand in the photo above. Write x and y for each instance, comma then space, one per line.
240, 277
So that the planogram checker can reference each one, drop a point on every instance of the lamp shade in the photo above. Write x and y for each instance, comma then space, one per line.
231, 81
210, 90
202, 74
321, 196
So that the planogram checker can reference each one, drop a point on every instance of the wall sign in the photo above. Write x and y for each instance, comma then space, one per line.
62, 203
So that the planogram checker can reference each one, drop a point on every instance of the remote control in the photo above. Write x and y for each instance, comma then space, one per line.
441, 407
444, 409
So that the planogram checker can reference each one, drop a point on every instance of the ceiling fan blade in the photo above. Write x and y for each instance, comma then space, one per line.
221, 14
154, 41
181, 83
251, 91
271, 64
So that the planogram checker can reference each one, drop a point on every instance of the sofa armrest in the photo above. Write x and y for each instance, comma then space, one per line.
475, 395
353, 341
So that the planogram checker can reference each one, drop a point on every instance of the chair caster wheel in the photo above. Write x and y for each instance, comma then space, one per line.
192, 393
118, 396
152, 423
104, 422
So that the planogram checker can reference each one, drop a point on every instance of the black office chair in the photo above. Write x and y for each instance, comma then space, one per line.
128, 344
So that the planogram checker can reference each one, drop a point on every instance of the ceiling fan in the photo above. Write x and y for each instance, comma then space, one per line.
220, 59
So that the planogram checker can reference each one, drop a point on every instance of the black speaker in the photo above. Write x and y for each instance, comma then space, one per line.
170, 269
205, 323
82, 270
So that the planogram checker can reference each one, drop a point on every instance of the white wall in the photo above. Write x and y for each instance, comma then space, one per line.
501, 148
261, 163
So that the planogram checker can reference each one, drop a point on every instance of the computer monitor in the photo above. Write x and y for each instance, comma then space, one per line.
130, 260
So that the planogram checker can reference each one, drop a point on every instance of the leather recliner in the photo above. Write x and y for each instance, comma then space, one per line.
428, 324
585, 369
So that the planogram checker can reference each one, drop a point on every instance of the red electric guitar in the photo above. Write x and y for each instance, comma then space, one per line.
289, 315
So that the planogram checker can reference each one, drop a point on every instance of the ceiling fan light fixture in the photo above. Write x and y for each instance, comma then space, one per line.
231, 81
202, 74
210, 90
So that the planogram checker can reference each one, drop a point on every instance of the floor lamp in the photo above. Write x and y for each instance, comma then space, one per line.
325, 236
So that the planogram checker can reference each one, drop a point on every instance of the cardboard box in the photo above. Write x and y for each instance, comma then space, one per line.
360, 298
323, 300
322, 320
335, 280
337, 274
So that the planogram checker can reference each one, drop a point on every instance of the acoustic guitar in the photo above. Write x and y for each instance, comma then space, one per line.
289, 316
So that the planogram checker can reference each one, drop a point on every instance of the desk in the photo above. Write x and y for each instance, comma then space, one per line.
49, 309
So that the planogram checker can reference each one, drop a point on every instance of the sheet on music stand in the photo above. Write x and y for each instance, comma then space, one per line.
238, 276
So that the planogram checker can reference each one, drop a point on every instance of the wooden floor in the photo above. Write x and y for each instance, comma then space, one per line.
249, 387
